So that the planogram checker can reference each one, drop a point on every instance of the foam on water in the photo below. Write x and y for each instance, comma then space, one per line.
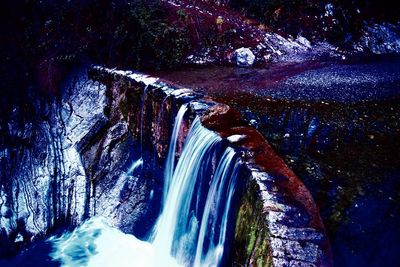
95, 243
192, 227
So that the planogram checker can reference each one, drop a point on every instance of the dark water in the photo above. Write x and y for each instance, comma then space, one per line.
33, 256
337, 125
371, 237
366, 79
349, 160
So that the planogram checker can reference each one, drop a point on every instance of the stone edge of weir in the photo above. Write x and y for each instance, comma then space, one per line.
295, 235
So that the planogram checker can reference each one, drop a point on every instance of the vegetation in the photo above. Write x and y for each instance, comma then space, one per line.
42, 40
44, 36
309, 18
251, 232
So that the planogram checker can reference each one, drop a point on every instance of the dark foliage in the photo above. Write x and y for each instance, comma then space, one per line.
123, 33
308, 16
42, 40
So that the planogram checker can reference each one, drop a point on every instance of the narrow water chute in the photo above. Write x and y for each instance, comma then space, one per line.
170, 161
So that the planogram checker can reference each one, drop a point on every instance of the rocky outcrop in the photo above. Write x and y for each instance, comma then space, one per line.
44, 183
379, 39
70, 165
216, 31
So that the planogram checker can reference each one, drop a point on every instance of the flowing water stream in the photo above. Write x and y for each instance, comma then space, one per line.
192, 227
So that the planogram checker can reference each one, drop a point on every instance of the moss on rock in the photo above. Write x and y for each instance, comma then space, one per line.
251, 247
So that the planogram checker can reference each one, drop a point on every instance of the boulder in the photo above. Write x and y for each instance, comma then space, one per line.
243, 57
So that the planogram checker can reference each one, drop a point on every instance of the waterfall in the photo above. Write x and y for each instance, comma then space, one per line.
192, 227
170, 161
220, 196
192, 234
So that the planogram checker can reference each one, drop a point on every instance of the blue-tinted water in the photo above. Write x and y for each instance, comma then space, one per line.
36, 255
192, 227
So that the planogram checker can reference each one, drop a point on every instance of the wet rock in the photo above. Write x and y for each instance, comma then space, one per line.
77, 154
221, 117
243, 57
380, 38
236, 138
306, 251
280, 230
46, 183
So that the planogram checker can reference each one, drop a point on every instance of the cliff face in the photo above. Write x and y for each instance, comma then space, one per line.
100, 150
71, 165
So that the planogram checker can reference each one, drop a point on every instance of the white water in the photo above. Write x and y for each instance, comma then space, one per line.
191, 229
217, 197
97, 244
136, 164
194, 235
170, 161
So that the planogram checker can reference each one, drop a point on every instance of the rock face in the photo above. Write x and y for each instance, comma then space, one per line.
243, 57
44, 184
72, 165
84, 159
380, 38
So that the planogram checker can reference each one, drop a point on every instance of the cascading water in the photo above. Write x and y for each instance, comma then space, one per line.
192, 227
187, 225
170, 161
219, 196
